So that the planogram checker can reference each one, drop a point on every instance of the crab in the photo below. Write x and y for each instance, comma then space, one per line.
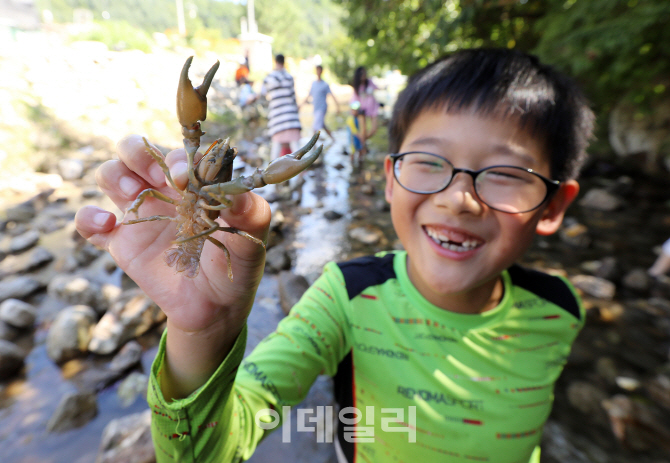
210, 182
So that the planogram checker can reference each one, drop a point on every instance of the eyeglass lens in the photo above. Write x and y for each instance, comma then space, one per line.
507, 189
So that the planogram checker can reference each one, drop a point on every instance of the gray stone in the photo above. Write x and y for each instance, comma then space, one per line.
21, 212
24, 241
74, 410
127, 440
601, 200
70, 333
291, 289
18, 313
71, 169
637, 280
25, 262
129, 355
8, 332
277, 259
128, 317
594, 286
18, 287
11, 359
365, 236
133, 386
332, 215
75, 290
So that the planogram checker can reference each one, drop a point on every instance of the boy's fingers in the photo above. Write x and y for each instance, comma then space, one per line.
94, 224
250, 213
121, 184
176, 162
133, 153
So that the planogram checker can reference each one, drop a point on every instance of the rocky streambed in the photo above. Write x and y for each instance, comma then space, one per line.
77, 337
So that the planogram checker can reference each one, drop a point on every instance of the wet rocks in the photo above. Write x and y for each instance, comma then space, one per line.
127, 440
70, 333
594, 286
291, 289
18, 313
601, 200
18, 287
131, 315
74, 410
11, 359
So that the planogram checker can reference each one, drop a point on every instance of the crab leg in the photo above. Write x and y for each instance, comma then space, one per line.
277, 171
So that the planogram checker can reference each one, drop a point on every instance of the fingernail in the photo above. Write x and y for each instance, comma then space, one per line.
157, 175
179, 170
129, 186
240, 204
100, 218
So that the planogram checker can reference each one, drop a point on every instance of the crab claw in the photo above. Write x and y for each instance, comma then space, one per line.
286, 167
192, 102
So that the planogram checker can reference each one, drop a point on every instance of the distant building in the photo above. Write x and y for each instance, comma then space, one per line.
17, 16
256, 47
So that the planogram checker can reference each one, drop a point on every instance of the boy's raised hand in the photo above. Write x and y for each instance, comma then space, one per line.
210, 305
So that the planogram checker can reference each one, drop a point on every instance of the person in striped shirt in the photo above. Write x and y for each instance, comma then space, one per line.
283, 120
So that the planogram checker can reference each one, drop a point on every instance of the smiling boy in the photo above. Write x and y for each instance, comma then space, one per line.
447, 351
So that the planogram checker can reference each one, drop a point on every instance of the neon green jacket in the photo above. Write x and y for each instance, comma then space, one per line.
418, 383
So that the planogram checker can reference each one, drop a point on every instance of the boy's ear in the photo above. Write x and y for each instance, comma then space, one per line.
388, 170
552, 216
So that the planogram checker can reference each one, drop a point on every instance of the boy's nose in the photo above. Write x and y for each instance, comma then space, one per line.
460, 195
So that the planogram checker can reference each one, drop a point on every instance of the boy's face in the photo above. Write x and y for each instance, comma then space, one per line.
482, 242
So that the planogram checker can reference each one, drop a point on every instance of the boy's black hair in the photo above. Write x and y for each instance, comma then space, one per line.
509, 83
279, 59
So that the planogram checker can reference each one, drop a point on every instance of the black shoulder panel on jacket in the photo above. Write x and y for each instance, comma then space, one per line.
548, 287
367, 271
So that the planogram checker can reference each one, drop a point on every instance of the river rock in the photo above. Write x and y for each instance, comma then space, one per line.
601, 200
332, 215
587, 398
11, 359
133, 386
24, 241
18, 287
128, 317
70, 333
71, 169
18, 313
594, 286
365, 236
575, 234
77, 290
25, 262
129, 355
74, 410
127, 440
277, 259
23, 212
637, 280
291, 289
8, 332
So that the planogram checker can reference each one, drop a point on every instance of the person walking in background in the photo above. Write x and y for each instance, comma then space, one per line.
283, 120
662, 264
318, 94
364, 93
242, 71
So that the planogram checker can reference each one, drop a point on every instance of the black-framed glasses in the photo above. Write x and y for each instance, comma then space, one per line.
509, 189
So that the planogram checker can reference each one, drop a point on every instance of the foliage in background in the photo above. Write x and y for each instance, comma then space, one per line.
117, 35
615, 48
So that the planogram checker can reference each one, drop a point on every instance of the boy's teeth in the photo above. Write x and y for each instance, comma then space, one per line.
444, 241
